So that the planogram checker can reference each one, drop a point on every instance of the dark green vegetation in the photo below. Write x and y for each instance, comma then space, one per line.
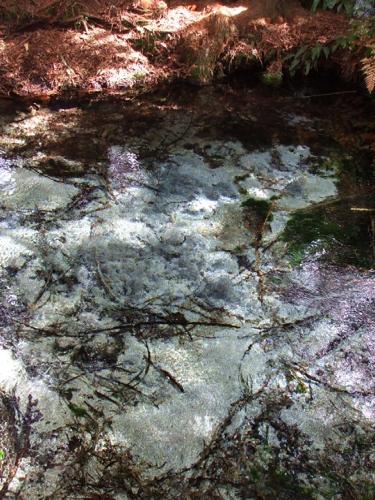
260, 207
336, 235
342, 230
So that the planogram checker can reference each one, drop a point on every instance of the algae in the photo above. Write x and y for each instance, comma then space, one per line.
260, 207
332, 235
273, 80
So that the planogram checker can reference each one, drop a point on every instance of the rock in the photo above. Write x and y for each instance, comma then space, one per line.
26, 190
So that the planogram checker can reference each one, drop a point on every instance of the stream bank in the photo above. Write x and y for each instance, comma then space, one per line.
72, 50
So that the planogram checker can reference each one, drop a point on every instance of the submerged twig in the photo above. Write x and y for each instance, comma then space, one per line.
166, 374
326, 94
326, 384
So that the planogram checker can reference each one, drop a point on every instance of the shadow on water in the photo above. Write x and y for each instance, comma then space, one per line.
343, 229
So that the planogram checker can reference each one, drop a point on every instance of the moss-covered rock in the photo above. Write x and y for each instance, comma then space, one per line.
342, 240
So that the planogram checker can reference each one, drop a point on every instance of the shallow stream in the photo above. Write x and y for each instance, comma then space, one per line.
187, 298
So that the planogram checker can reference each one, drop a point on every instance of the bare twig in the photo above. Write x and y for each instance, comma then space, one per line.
326, 94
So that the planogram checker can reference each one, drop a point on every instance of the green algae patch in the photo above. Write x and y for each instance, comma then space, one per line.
78, 411
335, 235
273, 80
256, 214
355, 171
261, 208
305, 228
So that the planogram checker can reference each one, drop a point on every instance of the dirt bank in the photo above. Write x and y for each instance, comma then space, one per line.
69, 48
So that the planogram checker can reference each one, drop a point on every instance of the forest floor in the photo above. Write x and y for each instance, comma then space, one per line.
68, 48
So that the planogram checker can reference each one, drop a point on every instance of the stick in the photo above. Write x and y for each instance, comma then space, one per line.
357, 209
328, 94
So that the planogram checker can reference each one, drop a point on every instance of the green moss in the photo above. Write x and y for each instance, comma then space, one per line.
272, 79
338, 164
296, 256
260, 207
277, 482
276, 280
368, 491
305, 228
340, 234
353, 171
77, 410
328, 167
284, 481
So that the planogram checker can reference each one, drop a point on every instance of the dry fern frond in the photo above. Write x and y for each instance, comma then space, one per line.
368, 68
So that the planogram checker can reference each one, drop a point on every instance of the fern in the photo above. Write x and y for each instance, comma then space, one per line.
368, 68
339, 5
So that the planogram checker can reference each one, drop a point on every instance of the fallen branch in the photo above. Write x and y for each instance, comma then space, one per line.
327, 94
